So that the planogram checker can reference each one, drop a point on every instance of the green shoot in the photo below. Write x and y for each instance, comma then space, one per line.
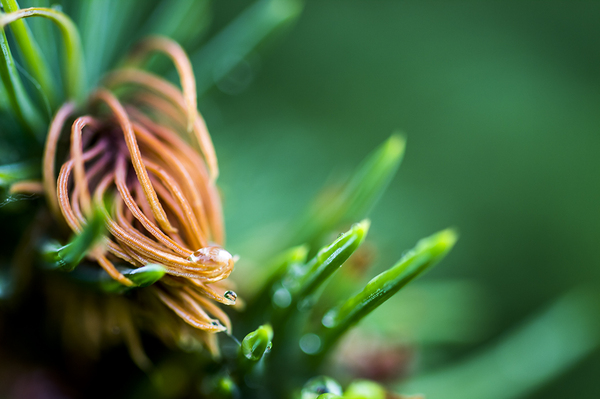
32, 54
356, 196
69, 256
22, 106
74, 65
427, 253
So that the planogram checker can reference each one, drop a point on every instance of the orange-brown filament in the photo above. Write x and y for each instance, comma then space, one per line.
156, 192
136, 157
50, 155
183, 65
27, 187
170, 92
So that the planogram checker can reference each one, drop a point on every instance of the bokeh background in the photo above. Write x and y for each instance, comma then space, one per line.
499, 102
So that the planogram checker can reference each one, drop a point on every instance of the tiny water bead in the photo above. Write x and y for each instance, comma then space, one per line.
230, 295
218, 324
211, 256
320, 385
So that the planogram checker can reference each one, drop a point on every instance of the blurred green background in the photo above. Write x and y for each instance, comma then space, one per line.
499, 101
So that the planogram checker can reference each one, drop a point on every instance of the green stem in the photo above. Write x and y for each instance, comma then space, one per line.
68, 257
427, 253
353, 199
74, 74
298, 286
22, 106
297, 290
32, 54
329, 259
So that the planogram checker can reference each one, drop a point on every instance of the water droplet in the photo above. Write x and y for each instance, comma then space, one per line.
269, 347
310, 344
217, 323
211, 256
329, 319
282, 298
57, 7
321, 385
230, 295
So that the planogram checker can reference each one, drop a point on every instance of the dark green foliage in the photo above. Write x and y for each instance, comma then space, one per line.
141, 277
67, 257
14, 173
